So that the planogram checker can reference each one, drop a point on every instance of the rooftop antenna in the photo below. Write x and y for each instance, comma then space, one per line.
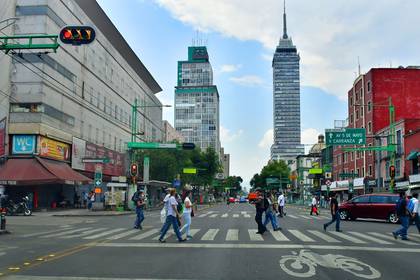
358, 64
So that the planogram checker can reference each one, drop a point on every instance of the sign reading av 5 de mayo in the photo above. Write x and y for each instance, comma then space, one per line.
53, 149
348, 136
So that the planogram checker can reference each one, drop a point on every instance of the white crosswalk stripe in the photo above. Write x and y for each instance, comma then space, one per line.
122, 235
254, 236
65, 232
145, 234
213, 215
235, 215
299, 235
45, 232
279, 236
167, 235
390, 237
105, 233
210, 234
370, 238
232, 235
347, 237
247, 216
225, 215
324, 236
304, 217
194, 231
83, 233
292, 216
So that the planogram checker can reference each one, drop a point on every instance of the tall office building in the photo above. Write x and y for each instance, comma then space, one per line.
286, 100
197, 101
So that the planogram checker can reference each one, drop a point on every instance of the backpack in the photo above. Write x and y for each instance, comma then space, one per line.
135, 197
410, 206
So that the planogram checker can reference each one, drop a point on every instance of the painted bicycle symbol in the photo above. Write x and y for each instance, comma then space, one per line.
304, 264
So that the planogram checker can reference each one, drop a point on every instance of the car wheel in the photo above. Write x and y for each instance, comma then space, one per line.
344, 215
393, 218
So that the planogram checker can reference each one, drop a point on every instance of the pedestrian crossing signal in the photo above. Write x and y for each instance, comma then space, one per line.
77, 35
134, 170
392, 171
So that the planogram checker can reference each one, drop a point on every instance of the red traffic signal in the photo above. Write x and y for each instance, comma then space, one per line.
134, 170
392, 171
77, 35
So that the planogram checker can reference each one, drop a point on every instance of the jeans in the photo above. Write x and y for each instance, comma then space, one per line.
170, 220
417, 222
404, 227
187, 221
334, 218
269, 216
140, 217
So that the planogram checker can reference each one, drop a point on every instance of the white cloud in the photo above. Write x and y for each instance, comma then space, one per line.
310, 136
226, 136
267, 139
328, 40
247, 80
228, 68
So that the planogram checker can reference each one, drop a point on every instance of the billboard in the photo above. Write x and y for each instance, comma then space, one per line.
78, 153
53, 149
115, 166
23, 144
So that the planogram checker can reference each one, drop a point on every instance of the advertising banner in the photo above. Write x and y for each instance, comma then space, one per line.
23, 144
3, 137
78, 152
115, 167
53, 149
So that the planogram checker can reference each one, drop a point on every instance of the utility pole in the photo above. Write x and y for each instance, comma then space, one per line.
392, 141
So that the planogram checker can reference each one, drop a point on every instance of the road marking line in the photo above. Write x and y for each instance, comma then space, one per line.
45, 232
83, 233
414, 238
225, 215
346, 237
292, 216
316, 218
33, 277
254, 236
145, 234
194, 231
205, 214
121, 235
324, 236
247, 216
257, 246
279, 236
390, 237
65, 232
232, 235
210, 234
236, 215
304, 217
213, 216
167, 235
299, 235
370, 238
104, 233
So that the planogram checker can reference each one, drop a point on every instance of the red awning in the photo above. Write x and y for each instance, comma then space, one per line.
36, 171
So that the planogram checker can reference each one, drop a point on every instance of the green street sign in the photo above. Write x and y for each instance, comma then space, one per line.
98, 178
348, 175
348, 136
272, 181
151, 145
189, 170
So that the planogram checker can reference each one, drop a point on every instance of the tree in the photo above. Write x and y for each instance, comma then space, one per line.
274, 169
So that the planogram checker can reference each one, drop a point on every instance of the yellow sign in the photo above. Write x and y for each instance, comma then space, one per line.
98, 190
54, 149
315, 171
190, 171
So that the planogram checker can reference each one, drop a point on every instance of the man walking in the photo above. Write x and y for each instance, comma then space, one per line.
416, 210
335, 214
138, 199
314, 207
402, 214
281, 201
171, 218
270, 214
260, 209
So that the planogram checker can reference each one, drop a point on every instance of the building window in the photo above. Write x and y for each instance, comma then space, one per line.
387, 169
368, 86
370, 151
351, 156
363, 172
357, 172
370, 170
397, 168
357, 115
361, 111
399, 142
369, 106
97, 136
369, 127
351, 118
351, 101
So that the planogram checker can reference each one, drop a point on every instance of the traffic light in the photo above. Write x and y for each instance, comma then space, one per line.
134, 170
188, 146
392, 172
77, 35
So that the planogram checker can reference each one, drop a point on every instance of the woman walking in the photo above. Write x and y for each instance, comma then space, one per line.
187, 214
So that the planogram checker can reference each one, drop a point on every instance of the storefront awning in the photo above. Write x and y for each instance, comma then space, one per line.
413, 155
37, 171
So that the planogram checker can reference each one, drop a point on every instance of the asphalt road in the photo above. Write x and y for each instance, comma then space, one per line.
224, 246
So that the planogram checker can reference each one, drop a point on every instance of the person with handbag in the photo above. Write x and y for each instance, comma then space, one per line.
188, 212
138, 199
171, 218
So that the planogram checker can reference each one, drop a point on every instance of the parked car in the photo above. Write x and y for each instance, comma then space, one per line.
231, 200
243, 199
372, 206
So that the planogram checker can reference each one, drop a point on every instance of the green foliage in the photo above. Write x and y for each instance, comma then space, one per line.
274, 169
233, 183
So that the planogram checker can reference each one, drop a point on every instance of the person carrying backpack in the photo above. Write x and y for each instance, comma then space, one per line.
138, 199
413, 208
402, 213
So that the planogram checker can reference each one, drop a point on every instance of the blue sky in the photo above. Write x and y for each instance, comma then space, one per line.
241, 36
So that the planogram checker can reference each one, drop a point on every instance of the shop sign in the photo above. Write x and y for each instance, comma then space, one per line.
2, 137
414, 178
23, 144
115, 166
54, 149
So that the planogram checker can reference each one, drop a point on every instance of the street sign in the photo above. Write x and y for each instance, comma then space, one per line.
315, 171
189, 170
328, 183
272, 181
176, 183
328, 175
95, 160
151, 145
348, 136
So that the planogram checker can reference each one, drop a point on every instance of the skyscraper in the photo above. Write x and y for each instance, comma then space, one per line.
286, 99
197, 101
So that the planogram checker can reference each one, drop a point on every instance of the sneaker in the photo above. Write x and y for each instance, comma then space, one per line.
135, 227
182, 240
395, 235
140, 227
405, 239
162, 241
338, 230
189, 237
325, 227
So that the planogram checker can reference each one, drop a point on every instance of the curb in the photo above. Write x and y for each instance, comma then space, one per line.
92, 215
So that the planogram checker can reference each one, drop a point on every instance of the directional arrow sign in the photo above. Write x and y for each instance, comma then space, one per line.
348, 136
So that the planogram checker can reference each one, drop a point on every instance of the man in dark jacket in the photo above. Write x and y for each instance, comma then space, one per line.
402, 213
260, 209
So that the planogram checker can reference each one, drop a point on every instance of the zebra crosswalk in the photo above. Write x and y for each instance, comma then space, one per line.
227, 235
245, 214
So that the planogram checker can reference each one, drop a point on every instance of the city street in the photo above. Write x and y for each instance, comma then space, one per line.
224, 246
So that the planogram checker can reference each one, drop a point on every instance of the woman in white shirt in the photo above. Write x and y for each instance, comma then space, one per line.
187, 214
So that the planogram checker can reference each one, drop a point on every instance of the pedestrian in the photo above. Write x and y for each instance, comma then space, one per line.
187, 215
415, 213
314, 206
260, 208
275, 203
91, 198
171, 218
138, 199
335, 214
281, 201
402, 214
269, 214
85, 197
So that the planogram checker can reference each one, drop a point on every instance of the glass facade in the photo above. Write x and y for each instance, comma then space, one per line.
197, 101
286, 101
